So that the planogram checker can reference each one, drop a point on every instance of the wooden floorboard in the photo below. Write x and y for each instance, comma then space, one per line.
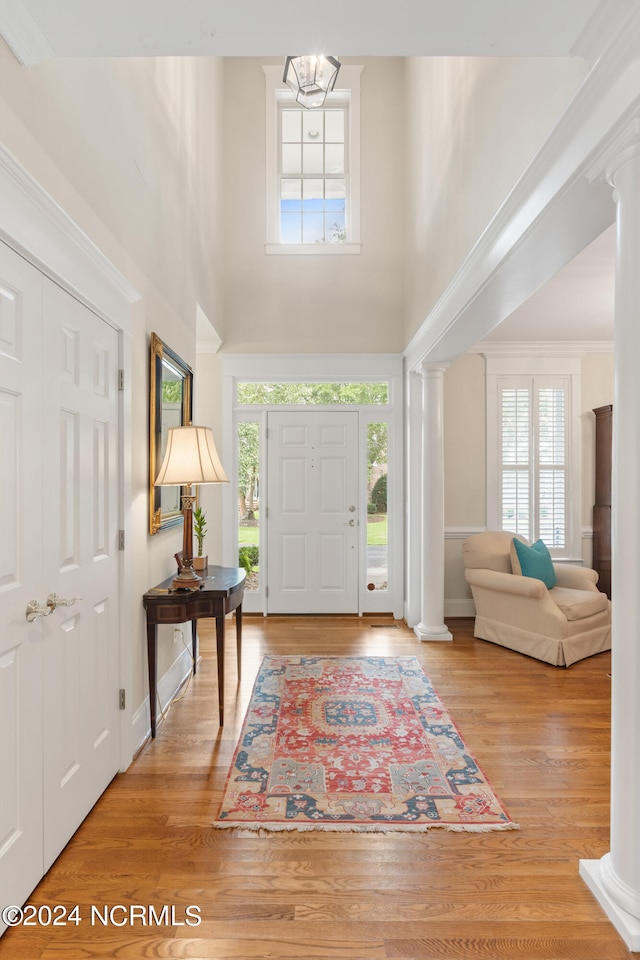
540, 733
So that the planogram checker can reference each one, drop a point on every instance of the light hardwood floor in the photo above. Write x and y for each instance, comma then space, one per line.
540, 733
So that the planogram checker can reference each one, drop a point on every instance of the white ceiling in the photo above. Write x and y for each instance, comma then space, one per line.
340, 27
578, 302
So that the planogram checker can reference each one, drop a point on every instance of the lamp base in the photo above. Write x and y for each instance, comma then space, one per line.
187, 579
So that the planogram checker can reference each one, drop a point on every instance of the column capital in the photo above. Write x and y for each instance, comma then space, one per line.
622, 149
625, 166
427, 369
616, 151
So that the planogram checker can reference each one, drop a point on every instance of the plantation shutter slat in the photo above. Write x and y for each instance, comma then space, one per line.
551, 459
515, 472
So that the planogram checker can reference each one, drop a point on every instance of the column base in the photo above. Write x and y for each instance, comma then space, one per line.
627, 925
425, 633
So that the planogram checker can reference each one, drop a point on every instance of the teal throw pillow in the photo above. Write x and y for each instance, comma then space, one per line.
536, 562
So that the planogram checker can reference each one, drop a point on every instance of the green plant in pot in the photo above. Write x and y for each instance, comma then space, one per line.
200, 562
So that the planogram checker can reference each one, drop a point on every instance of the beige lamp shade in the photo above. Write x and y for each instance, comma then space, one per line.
190, 457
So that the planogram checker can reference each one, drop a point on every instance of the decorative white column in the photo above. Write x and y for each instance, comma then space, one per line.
413, 497
615, 879
432, 625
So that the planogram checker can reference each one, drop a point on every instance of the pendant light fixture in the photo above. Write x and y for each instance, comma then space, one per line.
311, 78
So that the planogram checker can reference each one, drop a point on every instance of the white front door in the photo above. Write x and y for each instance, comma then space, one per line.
313, 516
58, 477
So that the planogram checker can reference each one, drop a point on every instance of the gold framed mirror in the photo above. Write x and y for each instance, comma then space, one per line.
170, 405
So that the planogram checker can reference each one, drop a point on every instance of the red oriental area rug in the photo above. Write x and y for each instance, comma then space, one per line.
353, 743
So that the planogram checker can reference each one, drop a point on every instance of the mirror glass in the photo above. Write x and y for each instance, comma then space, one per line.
170, 405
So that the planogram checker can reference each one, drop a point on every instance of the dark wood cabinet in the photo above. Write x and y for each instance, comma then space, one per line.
602, 506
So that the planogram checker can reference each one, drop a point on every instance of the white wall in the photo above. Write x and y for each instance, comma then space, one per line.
473, 126
314, 304
131, 150
597, 390
208, 410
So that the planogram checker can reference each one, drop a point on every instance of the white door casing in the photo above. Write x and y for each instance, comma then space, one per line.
58, 674
313, 516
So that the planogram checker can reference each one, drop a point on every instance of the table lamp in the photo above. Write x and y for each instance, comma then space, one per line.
190, 458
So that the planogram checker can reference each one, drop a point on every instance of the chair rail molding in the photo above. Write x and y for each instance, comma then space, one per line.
461, 533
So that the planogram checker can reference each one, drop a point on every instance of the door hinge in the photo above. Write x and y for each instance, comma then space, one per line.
266, 591
120, 539
123, 698
120, 379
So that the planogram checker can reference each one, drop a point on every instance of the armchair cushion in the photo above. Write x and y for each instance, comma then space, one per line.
579, 604
533, 561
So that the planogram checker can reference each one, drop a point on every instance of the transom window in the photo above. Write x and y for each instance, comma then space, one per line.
313, 393
313, 175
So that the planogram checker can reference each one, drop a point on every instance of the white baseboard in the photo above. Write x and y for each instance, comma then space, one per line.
168, 686
460, 608
627, 926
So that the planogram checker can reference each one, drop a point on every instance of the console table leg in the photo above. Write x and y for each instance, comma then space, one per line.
220, 655
153, 682
194, 644
239, 638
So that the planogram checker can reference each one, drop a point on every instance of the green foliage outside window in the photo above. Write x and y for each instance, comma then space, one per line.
379, 494
313, 393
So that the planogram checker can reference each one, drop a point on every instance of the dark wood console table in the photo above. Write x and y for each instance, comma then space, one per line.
222, 592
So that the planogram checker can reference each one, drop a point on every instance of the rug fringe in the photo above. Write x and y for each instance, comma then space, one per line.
264, 829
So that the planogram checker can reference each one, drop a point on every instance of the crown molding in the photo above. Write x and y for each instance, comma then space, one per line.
539, 348
35, 226
610, 19
22, 33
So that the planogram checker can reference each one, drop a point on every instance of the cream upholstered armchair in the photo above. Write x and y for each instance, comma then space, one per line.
568, 622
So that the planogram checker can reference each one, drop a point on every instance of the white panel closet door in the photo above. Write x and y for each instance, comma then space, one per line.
79, 560
58, 490
312, 521
21, 819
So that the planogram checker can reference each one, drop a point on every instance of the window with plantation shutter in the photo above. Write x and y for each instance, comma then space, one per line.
533, 445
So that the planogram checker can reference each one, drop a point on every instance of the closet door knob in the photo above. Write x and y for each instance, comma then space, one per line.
53, 601
34, 610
